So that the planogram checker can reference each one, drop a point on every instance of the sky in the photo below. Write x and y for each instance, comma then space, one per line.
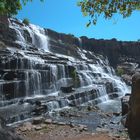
65, 16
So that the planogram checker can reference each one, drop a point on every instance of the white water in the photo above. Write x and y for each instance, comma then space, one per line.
42, 78
40, 39
38, 35
50, 81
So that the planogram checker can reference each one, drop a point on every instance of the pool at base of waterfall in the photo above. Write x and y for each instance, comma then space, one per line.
90, 113
105, 115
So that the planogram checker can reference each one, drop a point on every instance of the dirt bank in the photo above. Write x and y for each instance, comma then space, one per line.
64, 132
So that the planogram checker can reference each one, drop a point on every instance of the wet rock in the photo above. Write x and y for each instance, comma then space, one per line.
117, 113
72, 125
8, 135
128, 67
26, 127
48, 121
109, 87
43, 125
61, 123
113, 95
37, 128
125, 104
64, 113
127, 78
123, 120
9, 75
89, 108
38, 120
2, 122
83, 128
102, 130
39, 108
67, 89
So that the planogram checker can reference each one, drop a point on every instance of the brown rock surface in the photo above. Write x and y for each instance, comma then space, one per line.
65, 132
133, 119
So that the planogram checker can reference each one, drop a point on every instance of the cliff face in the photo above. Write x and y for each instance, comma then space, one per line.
116, 51
122, 55
41, 64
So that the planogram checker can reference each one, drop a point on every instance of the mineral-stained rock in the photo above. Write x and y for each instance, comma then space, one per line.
133, 119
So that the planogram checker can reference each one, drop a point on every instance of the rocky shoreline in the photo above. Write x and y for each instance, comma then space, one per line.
78, 123
108, 127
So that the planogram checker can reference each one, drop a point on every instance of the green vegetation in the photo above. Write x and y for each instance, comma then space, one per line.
74, 74
26, 21
91, 8
107, 8
75, 78
120, 71
11, 7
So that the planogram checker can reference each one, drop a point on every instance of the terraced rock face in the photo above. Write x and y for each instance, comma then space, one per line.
39, 64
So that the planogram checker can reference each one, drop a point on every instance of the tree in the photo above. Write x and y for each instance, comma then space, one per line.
107, 8
11, 7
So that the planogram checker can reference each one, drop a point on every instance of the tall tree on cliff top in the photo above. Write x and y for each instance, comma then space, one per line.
107, 8
11, 7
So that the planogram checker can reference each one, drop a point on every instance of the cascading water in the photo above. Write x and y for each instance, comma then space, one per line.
39, 37
37, 34
34, 73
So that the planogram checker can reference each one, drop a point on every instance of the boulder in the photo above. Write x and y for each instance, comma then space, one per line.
133, 118
125, 104
67, 89
38, 120
39, 108
109, 87
8, 135
48, 121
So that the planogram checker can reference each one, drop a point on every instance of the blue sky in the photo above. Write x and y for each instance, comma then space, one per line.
64, 16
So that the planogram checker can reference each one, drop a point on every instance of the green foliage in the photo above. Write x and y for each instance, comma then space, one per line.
120, 71
26, 21
11, 7
75, 78
74, 74
107, 8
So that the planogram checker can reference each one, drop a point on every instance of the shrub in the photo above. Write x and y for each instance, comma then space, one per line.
26, 21
120, 71
75, 78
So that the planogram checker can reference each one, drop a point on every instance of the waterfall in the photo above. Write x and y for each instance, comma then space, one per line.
40, 39
102, 93
80, 42
34, 72
37, 34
